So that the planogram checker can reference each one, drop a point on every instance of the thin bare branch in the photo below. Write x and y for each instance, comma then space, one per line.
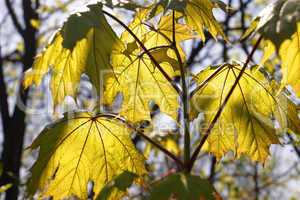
14, 17
184, 96
3, 95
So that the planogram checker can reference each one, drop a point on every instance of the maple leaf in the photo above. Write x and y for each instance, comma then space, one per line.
198, 15
184, 186
83, 45
137, 26
245, 125
140, 82
137, 78
163, 34
279, 25
182, 31
80, 149
289, 53
158, 38
287, 114
289, 57
161, 39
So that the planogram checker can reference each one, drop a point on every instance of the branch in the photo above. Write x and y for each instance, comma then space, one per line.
255, 179
14, 17
144, 49
212, 169
226, 24
218, 114
297, 150
243, 24
3, 97
12, 57
37, 4
148, 139
184, 96
194, 53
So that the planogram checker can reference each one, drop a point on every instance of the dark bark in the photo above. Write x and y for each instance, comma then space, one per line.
212, 169
255, 179
14, 126
295, 147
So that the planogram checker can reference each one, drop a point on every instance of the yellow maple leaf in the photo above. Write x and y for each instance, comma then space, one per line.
287, 114
162, 36
83, 45
245, 125
137, 26
289, 53
198, 15
140, 82
80, 149
137, 78
158, 39
280, 28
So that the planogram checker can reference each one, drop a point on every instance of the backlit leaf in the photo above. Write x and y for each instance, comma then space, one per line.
159, 39
279, 25
80, 149
136, 26
140, 82
163, 36
289, 53
197, 13
245, 125
165, 28
287, 115
138, 79
83, 45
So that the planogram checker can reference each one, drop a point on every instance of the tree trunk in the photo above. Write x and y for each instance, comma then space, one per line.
14, 126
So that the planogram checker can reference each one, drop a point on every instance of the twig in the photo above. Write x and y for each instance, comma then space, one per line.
3, 96
256, 185
184, 96
212, 169
297, 150
14, 17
